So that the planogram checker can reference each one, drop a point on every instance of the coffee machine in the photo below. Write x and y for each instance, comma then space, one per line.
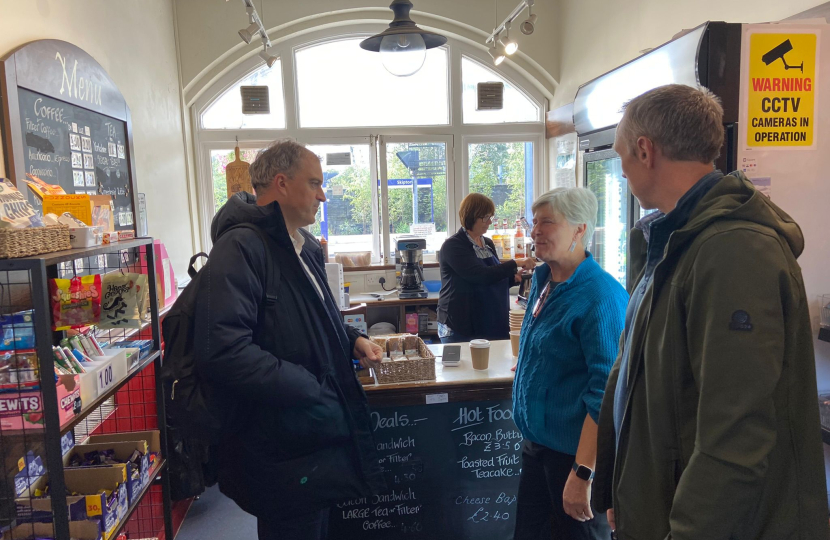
410, 267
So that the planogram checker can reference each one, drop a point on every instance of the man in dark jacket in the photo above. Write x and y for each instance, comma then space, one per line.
709, 427
301, 439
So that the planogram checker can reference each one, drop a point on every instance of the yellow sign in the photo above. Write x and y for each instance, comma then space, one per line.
782, 90
77, 205
93, 505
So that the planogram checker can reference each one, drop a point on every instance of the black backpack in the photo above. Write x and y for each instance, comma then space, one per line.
197, 413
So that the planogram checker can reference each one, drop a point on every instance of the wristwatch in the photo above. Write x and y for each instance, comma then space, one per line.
583, 472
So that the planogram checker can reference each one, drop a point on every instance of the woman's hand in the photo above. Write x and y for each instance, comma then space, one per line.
611, 521
368, 352
577, 498
526, 264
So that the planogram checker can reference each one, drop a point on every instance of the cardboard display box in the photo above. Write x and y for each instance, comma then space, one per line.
24, 410
78, 530
124, 444
93, 483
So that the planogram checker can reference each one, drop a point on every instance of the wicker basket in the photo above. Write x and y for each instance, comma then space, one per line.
398, 371
34, 241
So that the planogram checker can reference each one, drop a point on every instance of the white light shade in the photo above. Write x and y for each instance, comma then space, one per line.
247, 34
403, 54
267, 57
497, 55
509, 45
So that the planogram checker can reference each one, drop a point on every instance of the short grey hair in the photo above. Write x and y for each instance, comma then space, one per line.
576, 205
281, 157
685, 123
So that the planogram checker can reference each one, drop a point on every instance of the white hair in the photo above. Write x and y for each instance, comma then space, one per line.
576, 205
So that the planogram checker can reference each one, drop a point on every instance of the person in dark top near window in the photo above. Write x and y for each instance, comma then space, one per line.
475, 301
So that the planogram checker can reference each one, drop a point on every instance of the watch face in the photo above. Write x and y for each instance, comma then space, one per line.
584, 473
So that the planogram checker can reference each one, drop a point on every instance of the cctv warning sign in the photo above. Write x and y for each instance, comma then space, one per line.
782, 90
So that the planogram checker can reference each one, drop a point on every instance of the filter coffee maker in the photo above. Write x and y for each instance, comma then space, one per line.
410, 267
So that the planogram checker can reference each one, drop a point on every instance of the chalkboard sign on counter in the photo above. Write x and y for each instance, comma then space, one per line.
78, 149
452, 472
65, 121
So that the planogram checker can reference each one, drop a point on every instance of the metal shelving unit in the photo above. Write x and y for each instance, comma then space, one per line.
132, 404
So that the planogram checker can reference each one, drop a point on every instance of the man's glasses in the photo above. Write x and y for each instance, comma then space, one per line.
486, 218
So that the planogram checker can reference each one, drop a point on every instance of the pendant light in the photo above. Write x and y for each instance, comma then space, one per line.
403, 46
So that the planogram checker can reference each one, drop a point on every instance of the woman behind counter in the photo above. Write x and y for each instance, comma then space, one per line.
475, 300
569, 341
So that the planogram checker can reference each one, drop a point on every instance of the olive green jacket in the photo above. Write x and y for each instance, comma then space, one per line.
721, 435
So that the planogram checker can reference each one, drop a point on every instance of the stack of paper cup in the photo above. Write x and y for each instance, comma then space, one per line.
516, 318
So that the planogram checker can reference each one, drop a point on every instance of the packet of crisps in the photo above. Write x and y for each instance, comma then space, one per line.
76, 302
120, 301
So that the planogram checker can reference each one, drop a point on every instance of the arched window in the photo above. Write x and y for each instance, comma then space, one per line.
517, 106
226, 111
398, 154
341, 85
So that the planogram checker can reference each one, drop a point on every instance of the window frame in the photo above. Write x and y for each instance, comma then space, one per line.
205, 140
539, 147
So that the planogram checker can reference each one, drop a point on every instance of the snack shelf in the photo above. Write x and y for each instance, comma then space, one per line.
109, 393
134, 504
25, 287
58, 257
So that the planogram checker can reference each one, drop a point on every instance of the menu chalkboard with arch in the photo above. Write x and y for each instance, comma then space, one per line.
65, 121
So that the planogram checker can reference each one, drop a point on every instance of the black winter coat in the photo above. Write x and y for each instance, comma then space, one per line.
474, 299
302, 437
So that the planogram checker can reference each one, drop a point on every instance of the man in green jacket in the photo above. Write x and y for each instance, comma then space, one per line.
709, 428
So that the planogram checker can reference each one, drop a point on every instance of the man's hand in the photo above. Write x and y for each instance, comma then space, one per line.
611, 521
369, 353
577, 498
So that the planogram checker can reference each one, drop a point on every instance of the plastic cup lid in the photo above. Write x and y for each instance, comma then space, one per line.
480, 344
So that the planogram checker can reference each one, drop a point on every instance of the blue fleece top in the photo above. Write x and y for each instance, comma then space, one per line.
566, 353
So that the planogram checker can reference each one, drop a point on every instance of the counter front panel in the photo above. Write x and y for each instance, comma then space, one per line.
452, 471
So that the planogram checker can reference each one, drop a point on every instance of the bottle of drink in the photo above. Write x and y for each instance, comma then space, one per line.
497, 239
519, 241
325, 245
506, 241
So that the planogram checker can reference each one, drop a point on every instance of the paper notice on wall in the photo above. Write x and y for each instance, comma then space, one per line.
763, 184
564, 170
781, 90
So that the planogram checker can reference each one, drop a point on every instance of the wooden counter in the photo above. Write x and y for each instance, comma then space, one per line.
392, 300
459, 383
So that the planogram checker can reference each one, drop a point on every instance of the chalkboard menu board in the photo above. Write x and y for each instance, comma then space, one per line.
80, 150
65, 121
452, 472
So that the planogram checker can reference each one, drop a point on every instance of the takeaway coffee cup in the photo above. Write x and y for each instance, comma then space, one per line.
514, 342
480, 353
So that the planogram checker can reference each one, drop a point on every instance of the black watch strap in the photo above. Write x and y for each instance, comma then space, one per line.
583, 472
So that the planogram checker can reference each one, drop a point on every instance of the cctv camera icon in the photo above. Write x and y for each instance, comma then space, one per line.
778, 53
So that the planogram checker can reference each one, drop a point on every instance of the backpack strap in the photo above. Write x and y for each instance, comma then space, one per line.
191, 270
272, 270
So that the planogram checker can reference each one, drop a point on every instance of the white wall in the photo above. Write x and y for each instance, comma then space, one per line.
595, 36
134, 42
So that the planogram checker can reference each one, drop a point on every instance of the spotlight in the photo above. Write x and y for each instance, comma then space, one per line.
269, 58
247, 34
529, 25
497, 55
507, 44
